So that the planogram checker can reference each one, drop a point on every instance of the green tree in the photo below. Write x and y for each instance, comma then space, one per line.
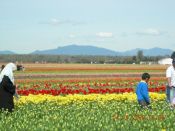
173, 55
139, 56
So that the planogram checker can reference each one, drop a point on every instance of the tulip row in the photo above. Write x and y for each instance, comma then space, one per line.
85, 91
77, 98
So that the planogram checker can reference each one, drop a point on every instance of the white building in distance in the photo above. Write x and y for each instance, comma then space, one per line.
165, 61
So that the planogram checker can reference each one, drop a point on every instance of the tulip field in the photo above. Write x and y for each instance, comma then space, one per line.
87, 97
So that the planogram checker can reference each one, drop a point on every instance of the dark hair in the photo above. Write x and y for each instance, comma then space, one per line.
2, 67
145, 75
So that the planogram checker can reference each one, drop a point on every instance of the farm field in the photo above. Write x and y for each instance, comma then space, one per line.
87, 97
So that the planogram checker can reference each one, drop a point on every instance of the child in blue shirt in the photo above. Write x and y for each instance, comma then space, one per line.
142, 91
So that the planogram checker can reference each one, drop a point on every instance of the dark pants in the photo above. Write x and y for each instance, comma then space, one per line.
144, 104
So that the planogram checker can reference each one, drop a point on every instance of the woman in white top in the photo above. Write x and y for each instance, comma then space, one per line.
170, 74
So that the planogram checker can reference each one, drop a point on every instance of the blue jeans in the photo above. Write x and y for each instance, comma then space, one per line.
170, 94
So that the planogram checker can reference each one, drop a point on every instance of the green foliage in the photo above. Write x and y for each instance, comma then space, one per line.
139, 56
173, 55
89, 116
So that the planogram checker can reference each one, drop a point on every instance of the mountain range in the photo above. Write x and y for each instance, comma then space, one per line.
92, 50
7, 52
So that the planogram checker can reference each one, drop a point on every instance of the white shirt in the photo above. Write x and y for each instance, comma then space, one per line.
170, 72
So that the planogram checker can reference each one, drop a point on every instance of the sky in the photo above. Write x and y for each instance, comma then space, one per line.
119, 25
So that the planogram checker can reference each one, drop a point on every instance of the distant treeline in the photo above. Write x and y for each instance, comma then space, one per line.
79, 59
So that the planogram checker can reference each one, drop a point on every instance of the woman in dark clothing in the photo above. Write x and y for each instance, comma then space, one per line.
7, 87
7, 90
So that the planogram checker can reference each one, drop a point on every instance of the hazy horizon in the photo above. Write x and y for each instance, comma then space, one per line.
86, 45
119, 25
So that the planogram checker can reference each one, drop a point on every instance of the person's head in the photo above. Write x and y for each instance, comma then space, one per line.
11, 66
145, 77
8, 71
173, 62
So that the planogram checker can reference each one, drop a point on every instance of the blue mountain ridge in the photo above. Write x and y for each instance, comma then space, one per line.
92, 50
98, 51
6, 52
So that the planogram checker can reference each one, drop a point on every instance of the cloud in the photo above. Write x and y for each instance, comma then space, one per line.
56, 22
72, 36
104, 34
124, 34
150, 31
